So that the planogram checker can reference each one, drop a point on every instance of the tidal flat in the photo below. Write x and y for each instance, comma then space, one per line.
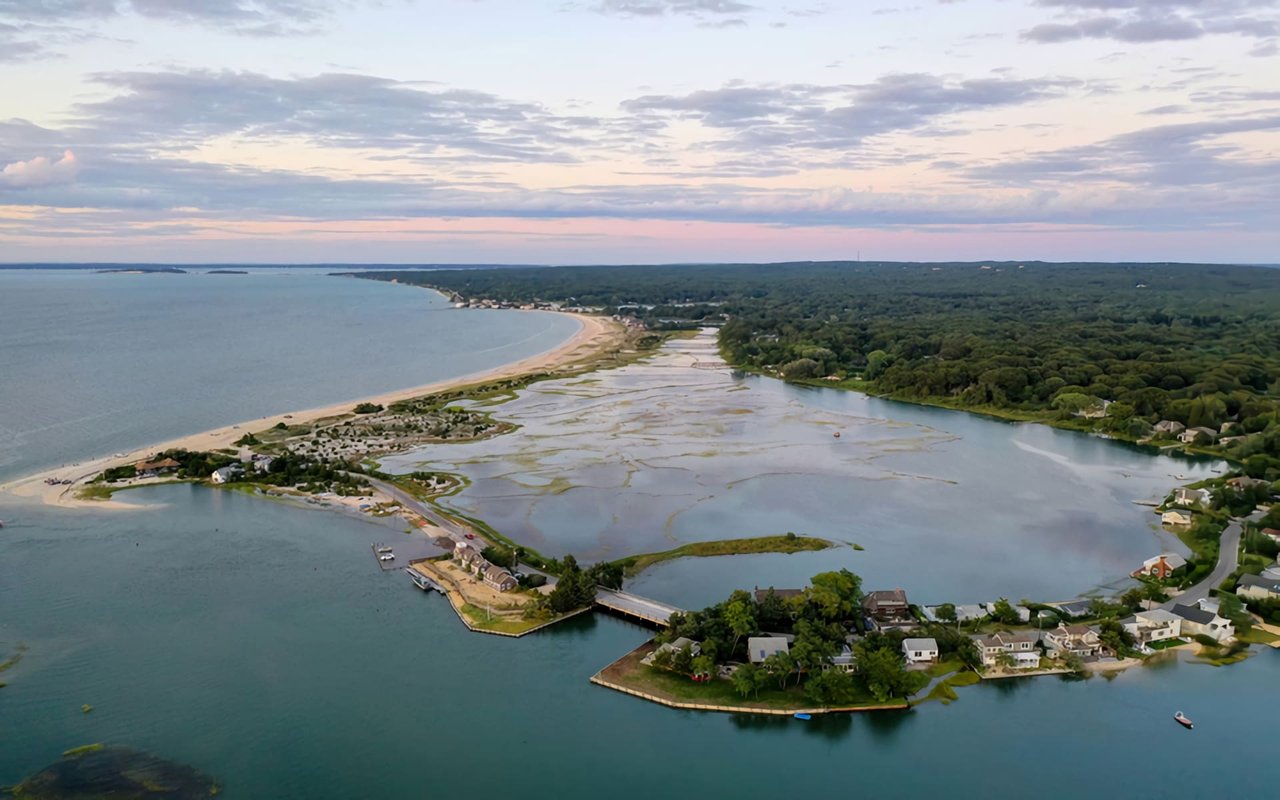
674, 449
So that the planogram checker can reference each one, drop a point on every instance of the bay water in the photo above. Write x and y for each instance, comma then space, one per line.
259, 642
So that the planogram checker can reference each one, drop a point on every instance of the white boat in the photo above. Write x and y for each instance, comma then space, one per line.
1182, 720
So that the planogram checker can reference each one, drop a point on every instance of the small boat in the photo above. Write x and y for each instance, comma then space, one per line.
836, 434
1182, 720
799, 715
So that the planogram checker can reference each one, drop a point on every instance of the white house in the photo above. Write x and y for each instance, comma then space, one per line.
1079, 639
1190, 497
1155, 625
761, 647
845, 662
1165, 565
1020, 646
920, 651
1193, 435
1197, 621
1258, 587
226, 474
1176, 516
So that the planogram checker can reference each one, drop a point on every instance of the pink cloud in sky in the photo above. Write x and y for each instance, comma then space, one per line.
40, 171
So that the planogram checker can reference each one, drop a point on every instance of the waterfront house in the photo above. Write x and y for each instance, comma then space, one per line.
920, 651
1074, 608
1198, 436
1197, 621
1169, 427
496, 577
1176, 516
970, 611
1258, 587
262, 463
227, 474
1024, 614
150, 469
781, 594
683, 643
1021, 646
1153, 626
1163, 566
1079, 639
1190, 497
1244, 482
761, 647
887, 610
845, 662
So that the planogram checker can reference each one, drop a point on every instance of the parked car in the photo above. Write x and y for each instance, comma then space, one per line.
387, 557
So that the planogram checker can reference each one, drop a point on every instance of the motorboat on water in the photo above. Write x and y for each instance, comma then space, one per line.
1182, 720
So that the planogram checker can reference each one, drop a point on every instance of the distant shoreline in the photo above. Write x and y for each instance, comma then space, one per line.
594, 335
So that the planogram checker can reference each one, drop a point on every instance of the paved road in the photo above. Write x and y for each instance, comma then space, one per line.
1228, 561
634, 604
452, 528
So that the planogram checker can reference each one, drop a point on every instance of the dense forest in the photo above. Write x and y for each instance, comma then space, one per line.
1113, 347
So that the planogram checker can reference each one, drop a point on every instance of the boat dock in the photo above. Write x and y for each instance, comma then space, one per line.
422, 581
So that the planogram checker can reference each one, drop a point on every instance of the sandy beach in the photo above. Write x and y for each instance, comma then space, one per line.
596, 335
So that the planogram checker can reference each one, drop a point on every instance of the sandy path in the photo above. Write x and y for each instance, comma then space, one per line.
596, 335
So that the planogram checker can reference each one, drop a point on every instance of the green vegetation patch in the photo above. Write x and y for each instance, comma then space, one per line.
787, 543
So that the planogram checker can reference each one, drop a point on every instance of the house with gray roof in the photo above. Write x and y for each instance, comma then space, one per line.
920, 651
1155, 625
761, 647
1020, 646
1197, 621
1257, 587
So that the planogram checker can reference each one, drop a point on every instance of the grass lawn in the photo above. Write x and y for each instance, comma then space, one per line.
479, 618
1165, 644
629, 672
1257, 636
633, 565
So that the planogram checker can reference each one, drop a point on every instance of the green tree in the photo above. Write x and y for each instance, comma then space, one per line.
946, 613
1002, 611
829, 688
780, 665
703, 664
740, 616
835, 595
883, 672
748, 680
1231, 608
682, 660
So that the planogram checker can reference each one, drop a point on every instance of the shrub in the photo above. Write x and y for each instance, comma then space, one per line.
368, 408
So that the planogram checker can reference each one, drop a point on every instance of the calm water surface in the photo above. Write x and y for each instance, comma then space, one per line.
259, 642
950, 506
92, 364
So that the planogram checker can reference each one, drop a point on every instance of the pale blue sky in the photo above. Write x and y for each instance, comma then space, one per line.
638, 130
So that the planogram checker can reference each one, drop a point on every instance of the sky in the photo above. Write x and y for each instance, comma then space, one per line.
632, 131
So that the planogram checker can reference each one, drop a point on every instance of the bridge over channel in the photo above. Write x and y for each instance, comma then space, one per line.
635, 607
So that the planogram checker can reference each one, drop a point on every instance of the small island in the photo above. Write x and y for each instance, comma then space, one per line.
227, 272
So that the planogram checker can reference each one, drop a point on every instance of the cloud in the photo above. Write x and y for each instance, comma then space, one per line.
40, 171
658, 8
755, 118
1141, 21
179, 109
247, 17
